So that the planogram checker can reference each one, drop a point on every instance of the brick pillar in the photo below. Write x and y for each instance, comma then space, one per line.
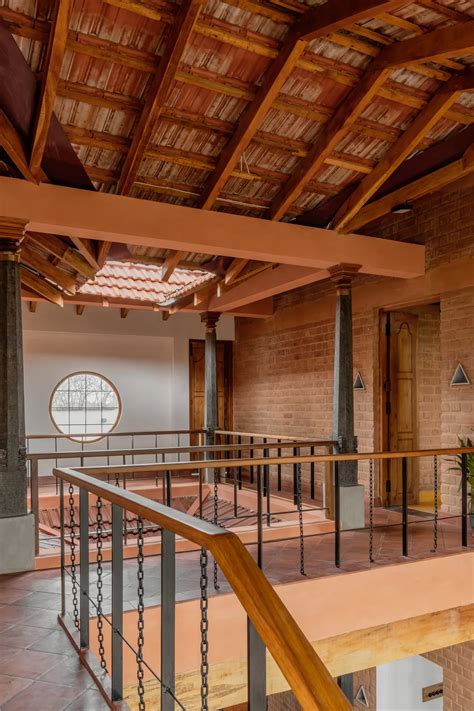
351, 495
16, 525
210, 319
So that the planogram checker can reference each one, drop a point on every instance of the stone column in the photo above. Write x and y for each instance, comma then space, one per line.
210, 319
16, 525
351, 494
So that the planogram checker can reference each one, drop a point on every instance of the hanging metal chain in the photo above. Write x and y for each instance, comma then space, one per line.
435, 488
204, 632
216, 518
300, 516
100, 595
141, 616
117, 478
72, 531
371, 510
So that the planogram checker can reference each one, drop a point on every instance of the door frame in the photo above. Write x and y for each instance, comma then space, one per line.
228, 378
382, 430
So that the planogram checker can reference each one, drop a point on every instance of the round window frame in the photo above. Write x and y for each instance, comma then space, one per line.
77, 438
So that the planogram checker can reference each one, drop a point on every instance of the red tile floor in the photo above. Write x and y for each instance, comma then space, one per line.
39, 669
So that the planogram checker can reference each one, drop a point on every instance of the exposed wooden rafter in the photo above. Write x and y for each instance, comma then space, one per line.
88, 251
13, 147
42, 287
233, 271
405, 145
178, 37
457, 170
170, 264
444, 42
52, 68
315, 23
57, 247
47, 269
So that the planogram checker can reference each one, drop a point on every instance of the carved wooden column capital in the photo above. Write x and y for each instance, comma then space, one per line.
12, 232
210, 319
343, 275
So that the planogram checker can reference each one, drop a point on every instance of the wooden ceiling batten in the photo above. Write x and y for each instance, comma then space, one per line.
13, 147
444, 42
41, 287
405, 145
315, 23
57, 247
47, 269
177, 40
52, 68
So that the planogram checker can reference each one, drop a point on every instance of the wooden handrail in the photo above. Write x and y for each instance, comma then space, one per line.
288, 460
87, 435
305, 673
260, 434
89, 453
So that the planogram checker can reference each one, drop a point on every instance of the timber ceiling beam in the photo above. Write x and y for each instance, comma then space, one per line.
317, 22
233, 271
13, 147
41, 286
451, 41
457, 170
401, 150
179, 35
55, 210
52, 68
170, 264
47, 269
88, 251
60, 249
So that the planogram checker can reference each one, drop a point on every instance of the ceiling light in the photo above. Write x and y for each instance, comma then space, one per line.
402, 208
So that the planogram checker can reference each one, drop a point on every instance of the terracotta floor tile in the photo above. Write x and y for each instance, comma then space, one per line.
11, 685
22, 636
55, 642
27, 663
90, 700
69, 672
43, 697
12, 614
10, 595
41, 600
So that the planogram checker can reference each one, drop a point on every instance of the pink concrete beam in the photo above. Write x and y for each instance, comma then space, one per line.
80, 213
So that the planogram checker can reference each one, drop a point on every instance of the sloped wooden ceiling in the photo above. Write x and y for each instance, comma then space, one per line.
282, 110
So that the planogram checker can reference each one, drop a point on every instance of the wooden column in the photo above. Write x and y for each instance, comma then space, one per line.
16, 525
210, 319
12, 411
343, 397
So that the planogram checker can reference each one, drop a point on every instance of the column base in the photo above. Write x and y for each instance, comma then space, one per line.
17, 552
352, 507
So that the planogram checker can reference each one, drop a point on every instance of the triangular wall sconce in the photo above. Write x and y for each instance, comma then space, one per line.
460, 376
361, 697
359, 382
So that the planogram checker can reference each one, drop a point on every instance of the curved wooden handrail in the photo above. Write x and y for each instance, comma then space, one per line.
305, 673
90, 453
267, 461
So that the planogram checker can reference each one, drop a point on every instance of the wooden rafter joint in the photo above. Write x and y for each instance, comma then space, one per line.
170, 264
41, 286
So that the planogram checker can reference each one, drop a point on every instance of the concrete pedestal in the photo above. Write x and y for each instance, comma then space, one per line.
17, 544
352, 511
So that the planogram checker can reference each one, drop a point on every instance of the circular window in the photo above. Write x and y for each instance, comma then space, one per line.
83, 403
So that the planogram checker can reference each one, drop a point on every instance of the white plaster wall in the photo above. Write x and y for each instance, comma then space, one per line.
400, 684
146, 358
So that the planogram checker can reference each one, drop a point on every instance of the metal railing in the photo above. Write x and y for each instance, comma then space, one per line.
177, 454
270, 625
237, 471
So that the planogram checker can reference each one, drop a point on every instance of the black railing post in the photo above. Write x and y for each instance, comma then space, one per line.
168, 488
62, 544
117, 602
279, 468
259, 517
295, 474
256, 670
337, 517
84, 567
404, 507
239, 455
311, 451
168, 600
251, 457
464, 479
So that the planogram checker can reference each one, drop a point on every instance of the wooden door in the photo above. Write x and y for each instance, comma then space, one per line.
399, 346
196, 385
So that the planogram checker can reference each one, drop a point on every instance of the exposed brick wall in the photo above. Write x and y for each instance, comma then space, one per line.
283, 365
458, 675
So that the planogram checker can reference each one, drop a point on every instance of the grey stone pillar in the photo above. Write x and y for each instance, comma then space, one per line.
16, 525
351, 495
210, 319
